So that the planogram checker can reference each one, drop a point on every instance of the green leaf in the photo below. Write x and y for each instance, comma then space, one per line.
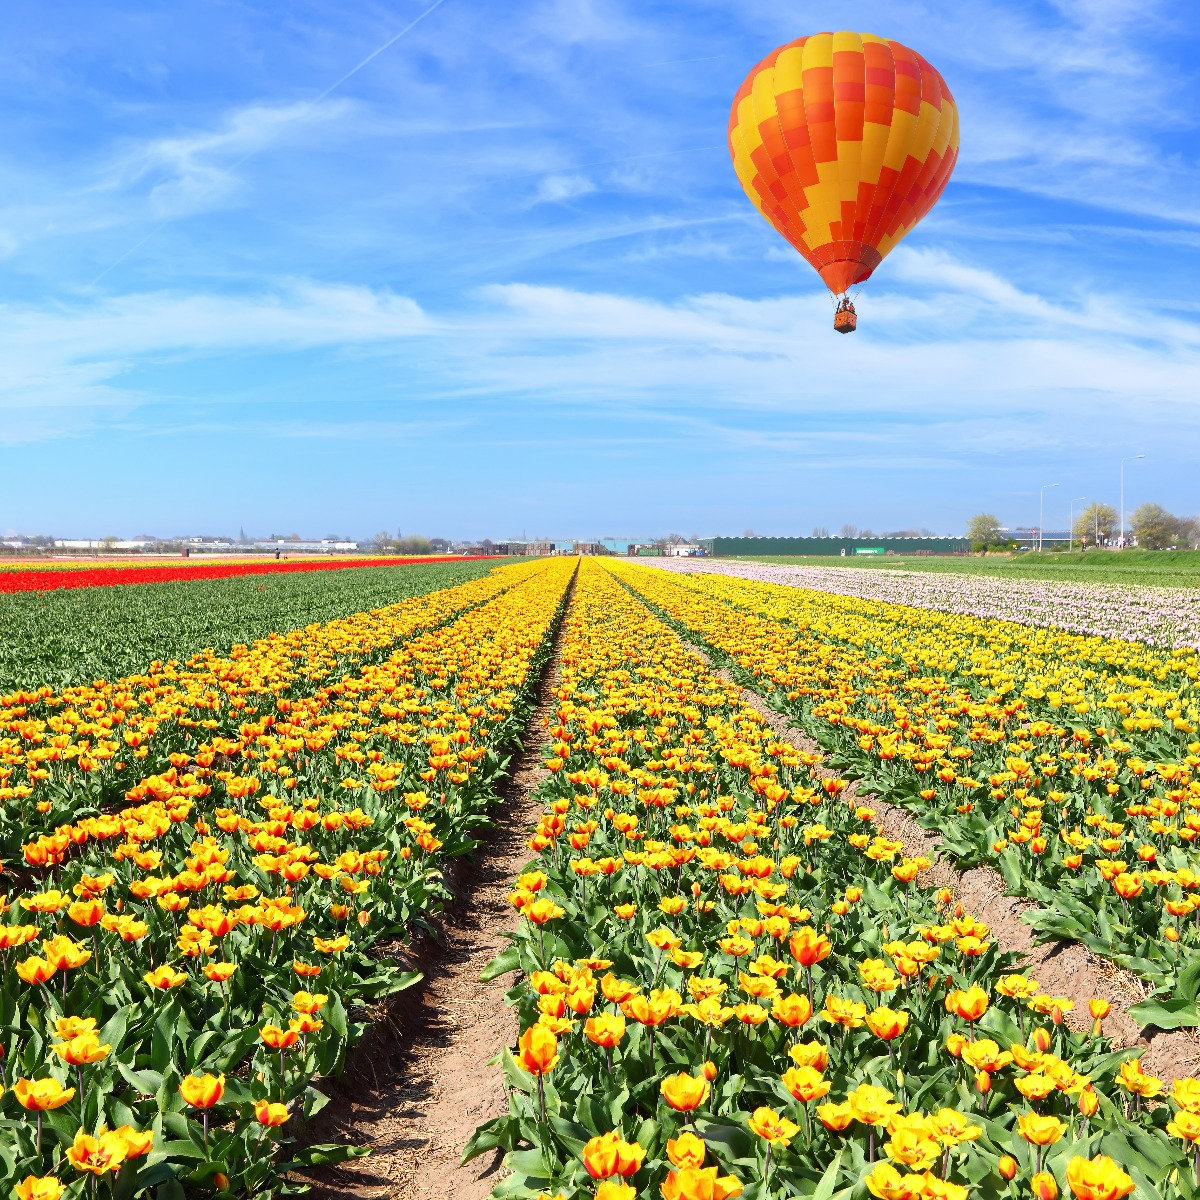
507, 960
1172, 1012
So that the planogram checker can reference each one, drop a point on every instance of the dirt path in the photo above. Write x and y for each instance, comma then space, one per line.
419, 1084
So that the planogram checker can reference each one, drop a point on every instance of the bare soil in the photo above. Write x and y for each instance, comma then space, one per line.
419, 1084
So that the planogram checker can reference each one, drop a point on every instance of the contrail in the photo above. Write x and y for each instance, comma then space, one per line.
333, 87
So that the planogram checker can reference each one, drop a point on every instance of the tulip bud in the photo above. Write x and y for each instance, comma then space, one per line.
221, 1180
1089, 1102
1171, 933
983, 1081
1007, 1166
709, 1071
1041, 1040
1043, 1186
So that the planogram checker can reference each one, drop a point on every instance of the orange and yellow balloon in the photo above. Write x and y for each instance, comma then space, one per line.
844, 141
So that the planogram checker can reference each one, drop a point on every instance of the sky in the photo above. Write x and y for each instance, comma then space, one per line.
500, 278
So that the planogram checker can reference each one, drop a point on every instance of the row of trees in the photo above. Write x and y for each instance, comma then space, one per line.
413, 543
1151, 526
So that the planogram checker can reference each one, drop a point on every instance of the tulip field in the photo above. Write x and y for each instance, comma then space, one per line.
202, 860
729, 981
731, 984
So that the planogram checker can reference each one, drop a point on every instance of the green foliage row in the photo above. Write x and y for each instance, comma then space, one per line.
75, 635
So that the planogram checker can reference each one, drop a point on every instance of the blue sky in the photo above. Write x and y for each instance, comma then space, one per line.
502, 279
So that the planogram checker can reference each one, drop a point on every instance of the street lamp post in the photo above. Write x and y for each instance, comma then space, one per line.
1071, 532
1128, 458
1042, 513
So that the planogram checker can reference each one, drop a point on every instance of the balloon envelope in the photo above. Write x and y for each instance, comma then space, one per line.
843, 141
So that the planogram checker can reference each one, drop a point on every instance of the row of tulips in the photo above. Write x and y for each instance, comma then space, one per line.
87, 575
729, 985
83, 748
1071, 764
180, 971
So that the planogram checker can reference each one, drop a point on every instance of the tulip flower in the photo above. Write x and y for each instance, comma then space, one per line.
1098, 1178
605, 1030
202, 1091
1044, 1186
687, 1150
165, 977
35, 969
699, 1183
609, 1154
38, 1095
1007, 1166
34, 1187
269, 1114
684, 1092
805, 1084
610, 1189
97, 1155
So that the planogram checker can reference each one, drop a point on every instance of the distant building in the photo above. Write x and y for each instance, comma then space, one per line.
732, 547
1028, 538
682, 550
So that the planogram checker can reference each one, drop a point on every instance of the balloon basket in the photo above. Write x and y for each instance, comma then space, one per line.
845, 320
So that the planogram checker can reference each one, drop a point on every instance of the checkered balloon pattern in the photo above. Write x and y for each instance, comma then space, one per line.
843, 141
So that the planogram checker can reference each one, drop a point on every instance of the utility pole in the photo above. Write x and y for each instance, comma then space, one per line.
1128, 458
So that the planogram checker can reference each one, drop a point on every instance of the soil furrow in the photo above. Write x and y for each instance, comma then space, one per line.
419, 1084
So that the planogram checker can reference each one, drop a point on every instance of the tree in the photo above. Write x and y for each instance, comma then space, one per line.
1189, 532
1097, 522
820, 531
382, 540
848, 530
413, 544
1154, 527
984, 530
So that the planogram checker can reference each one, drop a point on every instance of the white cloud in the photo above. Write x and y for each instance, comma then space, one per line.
196, 170
554, 189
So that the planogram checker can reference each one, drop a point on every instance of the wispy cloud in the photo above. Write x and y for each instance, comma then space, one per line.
554, 189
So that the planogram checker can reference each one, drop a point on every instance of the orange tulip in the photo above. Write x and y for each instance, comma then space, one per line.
39, 1095
97, 1155
792, 1011
82, 1050
887, 1024
34, 969
805, 1084
609, 1154
202, 1091
970, 1004
699, 1183
1007, 1166
809, 947
537, 1050
1098, 1178
684, 1092
33, 1187
1044, 1186
278, 1039
165, 977
269, 1114
605, 1030
687, 1150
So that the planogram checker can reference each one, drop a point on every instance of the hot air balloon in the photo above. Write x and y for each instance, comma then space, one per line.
843, 141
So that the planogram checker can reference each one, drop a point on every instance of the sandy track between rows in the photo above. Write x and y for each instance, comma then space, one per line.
419, 1084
